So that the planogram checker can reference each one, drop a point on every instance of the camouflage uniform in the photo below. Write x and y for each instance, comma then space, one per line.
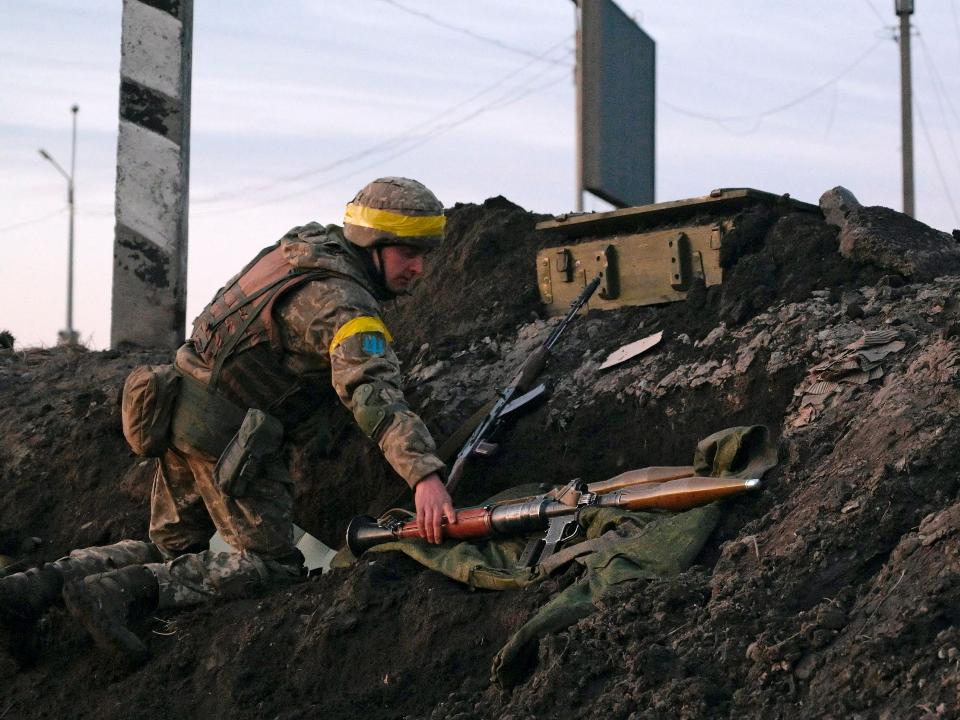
187, 506
81, 563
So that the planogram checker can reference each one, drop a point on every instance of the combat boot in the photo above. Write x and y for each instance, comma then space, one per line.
24, 598
107, 602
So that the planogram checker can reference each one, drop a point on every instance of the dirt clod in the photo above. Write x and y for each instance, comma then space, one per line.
897, 242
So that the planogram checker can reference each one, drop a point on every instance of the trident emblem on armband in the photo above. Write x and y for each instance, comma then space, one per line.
374, 344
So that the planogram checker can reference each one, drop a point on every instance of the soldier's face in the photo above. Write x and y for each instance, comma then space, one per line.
401, 264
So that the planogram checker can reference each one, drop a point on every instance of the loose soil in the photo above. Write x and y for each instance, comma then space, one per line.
835, 592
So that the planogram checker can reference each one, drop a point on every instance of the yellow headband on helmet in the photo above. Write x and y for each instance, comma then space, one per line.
400, 225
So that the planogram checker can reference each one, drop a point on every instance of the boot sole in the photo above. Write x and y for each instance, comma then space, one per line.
109, 635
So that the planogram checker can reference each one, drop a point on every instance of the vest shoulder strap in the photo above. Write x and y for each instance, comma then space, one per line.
224, 323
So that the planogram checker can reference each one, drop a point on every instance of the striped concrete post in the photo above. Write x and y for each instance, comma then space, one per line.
153, 165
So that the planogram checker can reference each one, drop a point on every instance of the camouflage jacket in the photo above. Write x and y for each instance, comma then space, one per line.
317, 322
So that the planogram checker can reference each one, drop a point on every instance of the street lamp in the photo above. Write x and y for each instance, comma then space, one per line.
68, 336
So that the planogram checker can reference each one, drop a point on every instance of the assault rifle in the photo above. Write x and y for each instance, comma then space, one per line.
515, 393
556, 512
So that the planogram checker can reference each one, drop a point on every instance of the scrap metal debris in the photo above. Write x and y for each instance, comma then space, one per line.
631, 350
858, 363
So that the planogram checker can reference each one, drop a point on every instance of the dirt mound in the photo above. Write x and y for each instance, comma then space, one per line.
67, 475
476, 284
834, 593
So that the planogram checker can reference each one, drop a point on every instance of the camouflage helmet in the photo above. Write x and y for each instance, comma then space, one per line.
394, 211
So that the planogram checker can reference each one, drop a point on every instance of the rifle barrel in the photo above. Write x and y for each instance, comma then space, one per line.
575, 306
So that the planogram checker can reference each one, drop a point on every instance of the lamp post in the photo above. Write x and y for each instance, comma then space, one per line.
69, 336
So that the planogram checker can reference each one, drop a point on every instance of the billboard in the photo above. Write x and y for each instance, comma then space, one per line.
617, 64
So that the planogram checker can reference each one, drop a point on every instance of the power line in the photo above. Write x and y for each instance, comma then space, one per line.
833, 111
779, 108
510, 97
37, 221
934, 80
96, 213
412, 145
956, 21
386, 145
936, 162
876, 12
436, 132
468, 32
407, 143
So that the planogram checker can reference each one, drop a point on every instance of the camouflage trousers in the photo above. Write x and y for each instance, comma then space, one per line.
186, 508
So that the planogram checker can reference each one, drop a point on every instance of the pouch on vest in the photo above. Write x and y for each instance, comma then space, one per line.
147, 408
258, 440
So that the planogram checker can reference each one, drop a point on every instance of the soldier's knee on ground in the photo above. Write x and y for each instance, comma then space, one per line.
192, 579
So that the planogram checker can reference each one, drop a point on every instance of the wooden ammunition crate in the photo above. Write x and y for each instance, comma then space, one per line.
642, 262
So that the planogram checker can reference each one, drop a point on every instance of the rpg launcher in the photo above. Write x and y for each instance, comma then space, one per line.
515, 393
555, 512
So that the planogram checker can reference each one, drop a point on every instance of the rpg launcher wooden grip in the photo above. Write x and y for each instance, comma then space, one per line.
472, 523
532, 515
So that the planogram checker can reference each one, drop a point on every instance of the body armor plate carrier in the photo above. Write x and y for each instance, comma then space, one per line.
237, 336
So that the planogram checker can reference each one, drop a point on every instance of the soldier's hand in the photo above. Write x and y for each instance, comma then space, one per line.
433, 504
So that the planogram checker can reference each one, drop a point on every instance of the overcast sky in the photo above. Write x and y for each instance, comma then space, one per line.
298, 104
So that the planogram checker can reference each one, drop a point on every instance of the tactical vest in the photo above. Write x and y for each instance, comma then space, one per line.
238, 338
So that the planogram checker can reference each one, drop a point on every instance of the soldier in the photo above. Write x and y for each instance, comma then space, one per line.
297, 325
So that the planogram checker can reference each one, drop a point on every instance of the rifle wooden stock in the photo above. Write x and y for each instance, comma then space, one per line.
531, 369
530, 515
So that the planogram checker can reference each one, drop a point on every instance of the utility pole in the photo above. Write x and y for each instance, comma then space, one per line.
904, 9
69, 336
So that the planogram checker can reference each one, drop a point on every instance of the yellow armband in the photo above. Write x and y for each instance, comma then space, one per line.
360, 325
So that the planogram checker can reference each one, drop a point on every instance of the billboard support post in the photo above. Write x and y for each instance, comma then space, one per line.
578, 78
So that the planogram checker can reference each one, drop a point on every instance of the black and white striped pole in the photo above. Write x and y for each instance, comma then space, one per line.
153, 171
